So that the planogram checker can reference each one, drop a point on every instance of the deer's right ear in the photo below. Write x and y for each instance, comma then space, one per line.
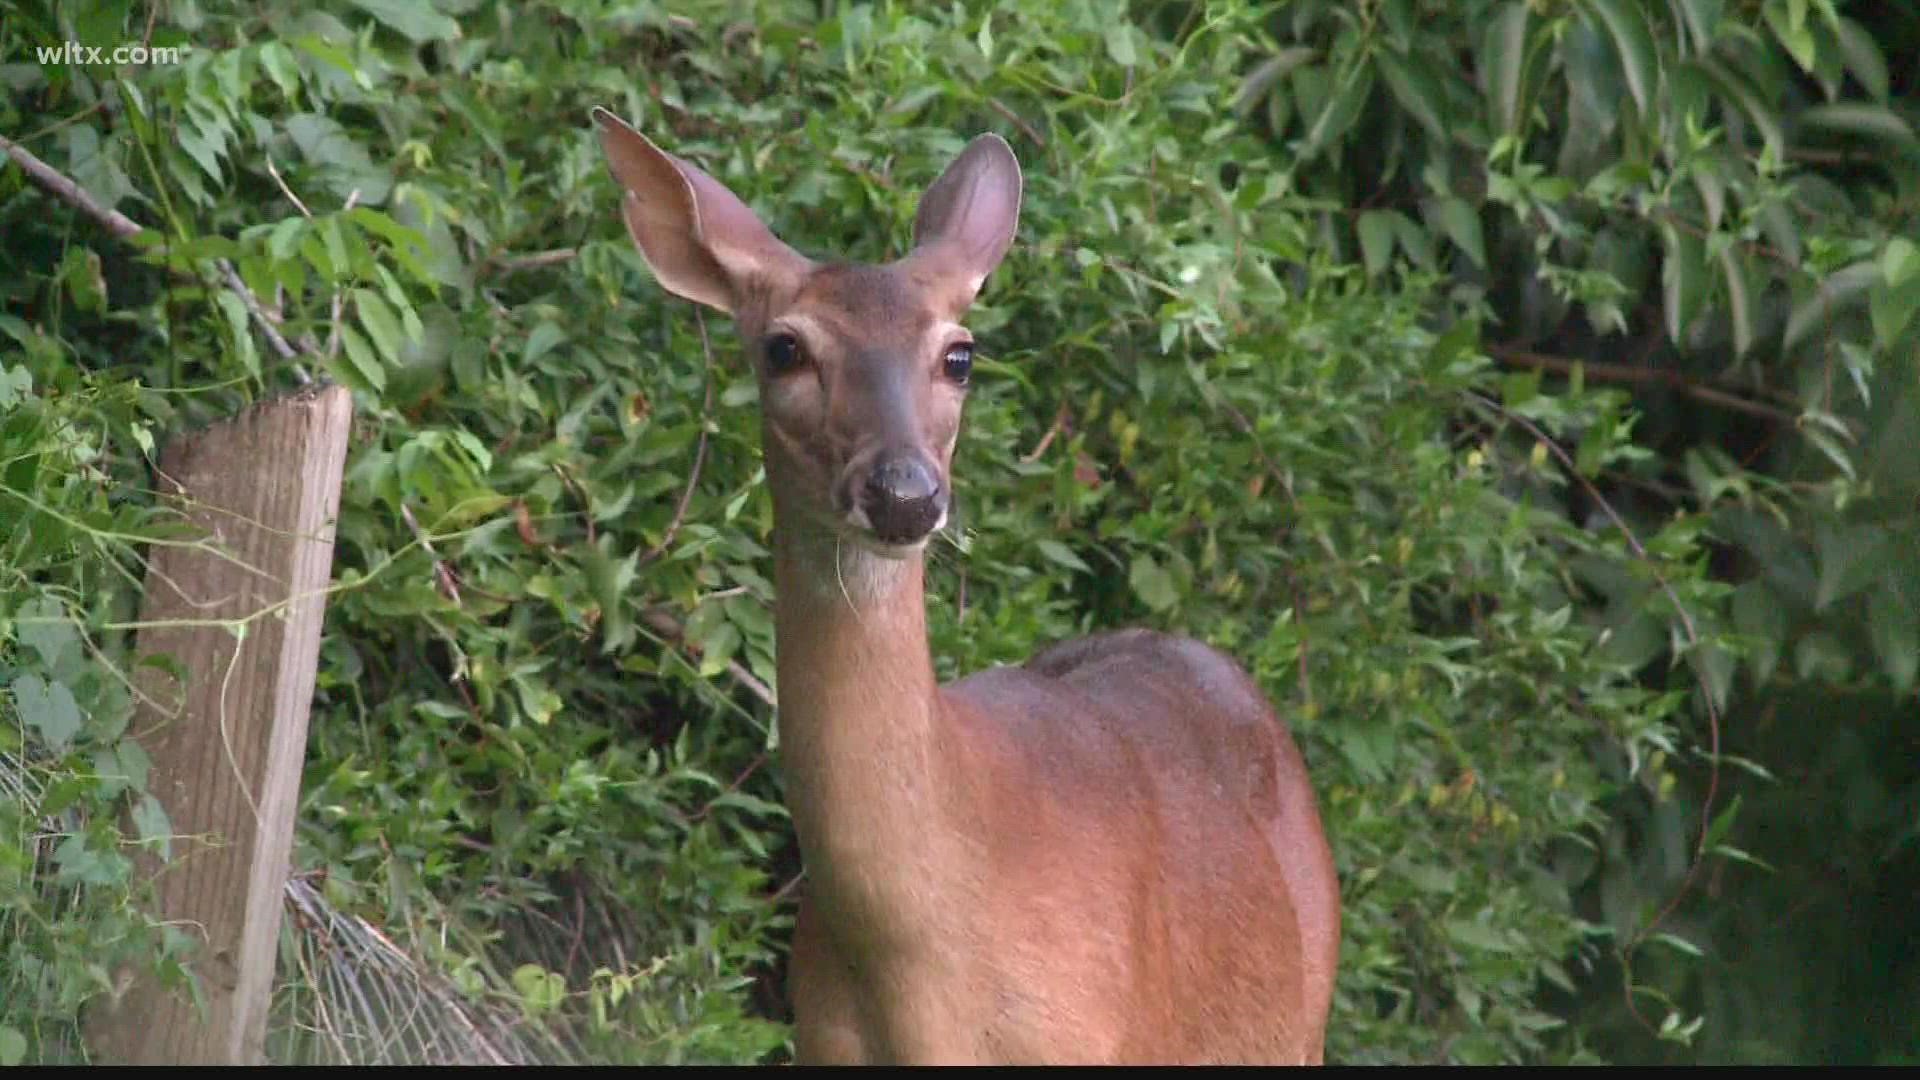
700, 240
966, 219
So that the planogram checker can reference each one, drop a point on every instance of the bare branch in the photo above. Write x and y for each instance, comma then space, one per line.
668, 626
50, 180
535, 261
53, 182
1622, 373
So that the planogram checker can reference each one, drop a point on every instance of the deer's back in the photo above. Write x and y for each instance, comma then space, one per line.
1159, 881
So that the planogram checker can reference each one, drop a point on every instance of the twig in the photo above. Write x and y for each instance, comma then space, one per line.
1014, 119
586, 504
440, 569
670, 627
1622, 373
1060, 418
287, 191
267, 328
1693, 640
699, 454
707, 808
535, 261
50, 180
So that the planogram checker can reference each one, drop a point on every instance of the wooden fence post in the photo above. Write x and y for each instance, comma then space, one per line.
226, 764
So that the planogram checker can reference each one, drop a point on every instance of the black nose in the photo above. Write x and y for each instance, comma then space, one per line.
902, 499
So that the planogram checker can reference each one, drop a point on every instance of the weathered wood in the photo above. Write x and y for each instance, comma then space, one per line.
228, 747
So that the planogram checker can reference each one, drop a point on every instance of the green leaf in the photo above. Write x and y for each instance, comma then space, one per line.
1733, 269
1789, 25
1755, 105
1703, 20
1266, 74
13, 1046
48, 708
1891, 308
1416, 89
45, 627
153, 825
1894, 626
1679, 943
718, 648
1342, 108
1627, 26
540, 990
1841, 289
381, 325
1462, 225
1684, 279
1376, 239
1503, 62
1119, 38
1830, 448
1723, 823
1759, 616
1900, 261
1864, 60
363, 359
1478, 936
413, 18
1059, 553
542, 340
1822, 657
1152, 583
1864, 121
16, 385
1851, 558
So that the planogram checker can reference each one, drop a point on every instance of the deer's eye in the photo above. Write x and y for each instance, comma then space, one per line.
958, 363
784, 355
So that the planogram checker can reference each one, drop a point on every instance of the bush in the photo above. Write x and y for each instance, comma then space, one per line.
541, 738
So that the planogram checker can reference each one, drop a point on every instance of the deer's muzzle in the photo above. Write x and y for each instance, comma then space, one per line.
903, 499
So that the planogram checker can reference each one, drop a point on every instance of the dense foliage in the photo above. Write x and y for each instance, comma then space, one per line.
1317, 342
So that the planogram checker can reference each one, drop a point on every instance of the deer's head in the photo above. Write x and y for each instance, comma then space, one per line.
863, 369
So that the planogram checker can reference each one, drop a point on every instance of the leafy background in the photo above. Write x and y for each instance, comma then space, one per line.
1526, 392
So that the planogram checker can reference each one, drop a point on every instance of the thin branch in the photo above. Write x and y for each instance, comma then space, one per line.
48, 179
1014, 119
668, 626
53, 182
1060, 418
1693, 640
441, 571
699, 454
274, 338
287, 191
535, 261
1623, 373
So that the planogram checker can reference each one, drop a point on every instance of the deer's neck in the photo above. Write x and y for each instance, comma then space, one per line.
861, 726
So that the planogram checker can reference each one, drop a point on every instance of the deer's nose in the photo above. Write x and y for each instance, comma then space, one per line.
902, 499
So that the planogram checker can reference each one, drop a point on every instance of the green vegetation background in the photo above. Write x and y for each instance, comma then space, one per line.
1526, 390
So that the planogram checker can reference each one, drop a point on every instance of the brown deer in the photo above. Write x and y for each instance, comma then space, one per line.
1109, 854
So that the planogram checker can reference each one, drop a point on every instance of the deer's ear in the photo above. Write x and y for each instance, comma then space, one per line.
967, 217
700, 240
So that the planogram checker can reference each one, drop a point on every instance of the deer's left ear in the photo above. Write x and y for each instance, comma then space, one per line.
967, 218
700, 240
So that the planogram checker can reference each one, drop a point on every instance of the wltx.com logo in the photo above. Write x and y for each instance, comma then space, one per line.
74, 54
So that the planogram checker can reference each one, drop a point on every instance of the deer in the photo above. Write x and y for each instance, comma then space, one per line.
1108, 854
